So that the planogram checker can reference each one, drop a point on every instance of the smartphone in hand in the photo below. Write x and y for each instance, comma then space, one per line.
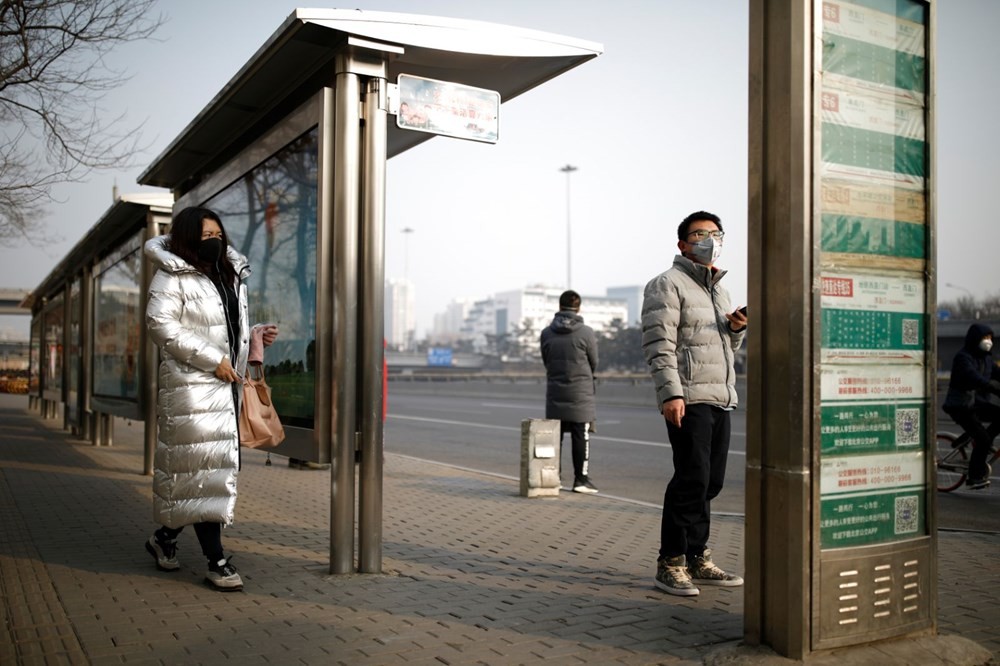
743, 311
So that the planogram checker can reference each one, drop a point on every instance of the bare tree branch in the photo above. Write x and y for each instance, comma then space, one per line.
53, 78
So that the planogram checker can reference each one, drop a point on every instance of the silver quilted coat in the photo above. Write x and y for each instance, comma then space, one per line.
197, 444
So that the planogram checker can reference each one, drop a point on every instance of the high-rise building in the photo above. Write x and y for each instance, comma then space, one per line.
448, 324
400, 315
633, 296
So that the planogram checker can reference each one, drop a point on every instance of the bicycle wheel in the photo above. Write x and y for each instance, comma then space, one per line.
952, 461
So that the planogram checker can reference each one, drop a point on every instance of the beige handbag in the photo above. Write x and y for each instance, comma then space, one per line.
259, 423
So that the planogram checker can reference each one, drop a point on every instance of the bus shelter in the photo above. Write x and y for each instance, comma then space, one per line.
88, 356
291, 154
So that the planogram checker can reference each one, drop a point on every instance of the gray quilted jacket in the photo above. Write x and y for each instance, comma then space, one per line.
686, 337
197, 444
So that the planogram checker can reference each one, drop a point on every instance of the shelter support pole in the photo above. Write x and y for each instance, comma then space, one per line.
372, 325
346, 205
150, 360
782, 377
86, 417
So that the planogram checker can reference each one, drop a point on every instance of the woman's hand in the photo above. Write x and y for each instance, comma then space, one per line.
225, 371
270, 334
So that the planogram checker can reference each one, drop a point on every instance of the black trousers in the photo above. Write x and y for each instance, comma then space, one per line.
209, 536
972, 422
580, 437
700, 449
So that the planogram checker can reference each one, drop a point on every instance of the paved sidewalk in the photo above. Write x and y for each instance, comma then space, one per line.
474, 574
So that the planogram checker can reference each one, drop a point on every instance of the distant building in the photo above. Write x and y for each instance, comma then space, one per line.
13, 355
447, 327
400, 315
529, 310
633, 296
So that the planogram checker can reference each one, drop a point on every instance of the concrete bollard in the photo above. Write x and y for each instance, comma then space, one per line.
540, 457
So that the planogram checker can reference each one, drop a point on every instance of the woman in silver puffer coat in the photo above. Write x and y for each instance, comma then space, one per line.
197, 315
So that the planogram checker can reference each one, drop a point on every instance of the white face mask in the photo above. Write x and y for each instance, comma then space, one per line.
986, 345
707, 251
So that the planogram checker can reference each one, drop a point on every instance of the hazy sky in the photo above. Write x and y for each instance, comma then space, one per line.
657, 126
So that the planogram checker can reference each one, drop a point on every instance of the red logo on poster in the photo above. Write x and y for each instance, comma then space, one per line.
838, 287
831, 12
831, 102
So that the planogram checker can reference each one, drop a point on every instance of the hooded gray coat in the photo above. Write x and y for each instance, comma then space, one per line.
197, 444
686, 337
569, 351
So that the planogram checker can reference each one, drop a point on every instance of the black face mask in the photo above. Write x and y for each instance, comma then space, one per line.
210, 250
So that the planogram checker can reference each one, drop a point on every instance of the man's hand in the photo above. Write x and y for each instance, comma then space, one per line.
737, 321
225, 371
673, 411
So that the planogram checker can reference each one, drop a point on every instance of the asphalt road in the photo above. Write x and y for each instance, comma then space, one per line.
476, 425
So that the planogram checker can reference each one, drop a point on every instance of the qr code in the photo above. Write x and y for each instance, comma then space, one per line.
911, 332
907, 427
907, 514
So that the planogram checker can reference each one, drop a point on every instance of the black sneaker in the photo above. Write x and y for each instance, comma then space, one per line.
584, 486
223, 577
979, 482
164, 552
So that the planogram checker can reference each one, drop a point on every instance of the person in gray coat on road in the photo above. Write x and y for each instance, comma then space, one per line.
569, 351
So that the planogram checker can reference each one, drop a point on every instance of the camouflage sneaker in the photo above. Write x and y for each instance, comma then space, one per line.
672, 577
703, 570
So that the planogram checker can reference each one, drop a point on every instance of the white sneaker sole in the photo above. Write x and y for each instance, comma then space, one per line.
224, 586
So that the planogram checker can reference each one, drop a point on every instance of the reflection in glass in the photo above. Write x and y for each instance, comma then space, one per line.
34, 356
117, 323
55, 318
270, 216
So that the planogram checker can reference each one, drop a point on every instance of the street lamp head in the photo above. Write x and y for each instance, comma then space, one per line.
568, 169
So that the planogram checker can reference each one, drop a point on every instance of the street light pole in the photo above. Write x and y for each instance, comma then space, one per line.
406, 252
568, 169
972, 299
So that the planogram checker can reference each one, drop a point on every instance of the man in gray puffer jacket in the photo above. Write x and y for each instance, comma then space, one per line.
690, 337
569, 351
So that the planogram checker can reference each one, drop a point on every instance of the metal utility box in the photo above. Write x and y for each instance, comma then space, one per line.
540, 440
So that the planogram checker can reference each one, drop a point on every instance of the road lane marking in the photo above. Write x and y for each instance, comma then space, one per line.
596, 437
511, 405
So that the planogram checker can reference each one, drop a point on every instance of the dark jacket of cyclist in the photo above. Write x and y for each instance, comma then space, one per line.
968, 400
972, 370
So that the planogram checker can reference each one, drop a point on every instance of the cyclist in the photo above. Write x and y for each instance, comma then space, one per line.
968, 400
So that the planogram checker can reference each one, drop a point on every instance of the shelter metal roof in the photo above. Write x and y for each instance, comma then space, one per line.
298, 60
102, 237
